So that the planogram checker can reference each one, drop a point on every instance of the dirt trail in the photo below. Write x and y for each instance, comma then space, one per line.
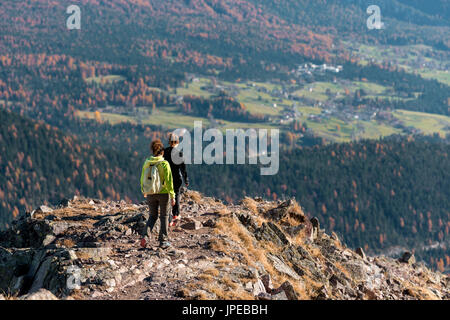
174, 268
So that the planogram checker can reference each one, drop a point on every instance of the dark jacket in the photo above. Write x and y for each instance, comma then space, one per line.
178, 170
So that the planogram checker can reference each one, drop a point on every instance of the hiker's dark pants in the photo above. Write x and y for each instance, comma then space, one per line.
155, 202
176, 207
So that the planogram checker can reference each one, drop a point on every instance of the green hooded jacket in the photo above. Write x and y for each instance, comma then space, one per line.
164, 172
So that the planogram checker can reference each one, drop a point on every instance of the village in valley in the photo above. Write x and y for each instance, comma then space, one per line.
326, 108
334, 110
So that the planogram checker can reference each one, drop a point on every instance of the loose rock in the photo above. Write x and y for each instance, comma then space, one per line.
408, 258
192, 225
41, 294
361, 253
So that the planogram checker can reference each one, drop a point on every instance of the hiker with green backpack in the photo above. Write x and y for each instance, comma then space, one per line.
157, 187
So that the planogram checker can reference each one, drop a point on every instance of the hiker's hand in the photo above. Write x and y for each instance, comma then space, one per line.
172, 202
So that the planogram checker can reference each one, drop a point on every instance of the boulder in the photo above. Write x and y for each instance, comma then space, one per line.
26, 233
282, 267
310, 267
51, 217
360, 252
288, 289
260, 267
94, 254
258, 288
322, 294
142, 216
41, 274
49, 270
270, 232
241, 272
291, 254
315, 228
284, 209
315, 223
41, 294
267, 283
44, 209
97, 294
14, 265
278, 232
247, 221
249, 286
408, 258
264, 296
335, 237
370, 294
280, 296
63, 203
210, 223
303, 253
48, 240
294, 230
337, 281
281, 211
60, 227
137, 222
327, 246
357, 270
192, 225
19, 284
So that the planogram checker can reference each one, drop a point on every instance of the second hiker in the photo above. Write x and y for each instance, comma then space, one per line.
176, 161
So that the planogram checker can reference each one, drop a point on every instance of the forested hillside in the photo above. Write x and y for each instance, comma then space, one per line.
376, 194
138, 59
49, 73
41, 164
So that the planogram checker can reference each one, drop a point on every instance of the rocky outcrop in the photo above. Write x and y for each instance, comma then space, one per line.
89, 249
41, 294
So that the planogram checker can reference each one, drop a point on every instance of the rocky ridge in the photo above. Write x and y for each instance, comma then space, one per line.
89, 249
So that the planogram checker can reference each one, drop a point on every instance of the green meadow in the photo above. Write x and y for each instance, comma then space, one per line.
331, 128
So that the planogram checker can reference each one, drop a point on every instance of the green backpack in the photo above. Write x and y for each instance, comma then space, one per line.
152, 183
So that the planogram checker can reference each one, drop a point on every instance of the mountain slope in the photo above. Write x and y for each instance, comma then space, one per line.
40, 163
367, 192
226, 31
256, 250
375, 194
47, 72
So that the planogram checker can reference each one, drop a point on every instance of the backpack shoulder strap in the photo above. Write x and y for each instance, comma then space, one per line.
158, 167
162, 162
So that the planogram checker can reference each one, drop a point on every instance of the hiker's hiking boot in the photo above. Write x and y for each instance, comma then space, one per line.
145, 237
165, 244
174, 221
